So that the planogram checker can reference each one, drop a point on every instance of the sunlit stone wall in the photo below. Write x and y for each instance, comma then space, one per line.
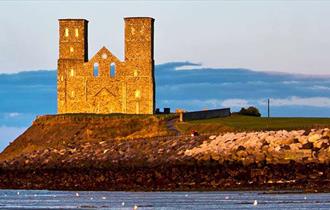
104, 84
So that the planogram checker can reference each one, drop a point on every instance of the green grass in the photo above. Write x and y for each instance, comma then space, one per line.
247, 123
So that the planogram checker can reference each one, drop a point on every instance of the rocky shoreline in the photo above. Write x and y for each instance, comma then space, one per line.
272, 147
197, 177
269, 160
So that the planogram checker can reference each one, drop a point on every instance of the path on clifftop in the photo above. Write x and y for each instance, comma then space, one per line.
170, 124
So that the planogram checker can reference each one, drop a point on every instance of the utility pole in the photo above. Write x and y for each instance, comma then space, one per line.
268, 107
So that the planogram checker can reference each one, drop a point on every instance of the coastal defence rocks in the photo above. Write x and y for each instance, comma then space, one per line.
269, 147
269, 160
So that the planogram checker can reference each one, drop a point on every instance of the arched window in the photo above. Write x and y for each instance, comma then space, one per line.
66, 32
76, 32
71, 72
135, 73
96, 70
112, 69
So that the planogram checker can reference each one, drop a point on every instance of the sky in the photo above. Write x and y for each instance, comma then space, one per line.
281, 36
209, 54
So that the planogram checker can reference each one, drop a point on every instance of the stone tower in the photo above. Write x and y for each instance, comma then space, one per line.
139, 54
73, 52
104, 84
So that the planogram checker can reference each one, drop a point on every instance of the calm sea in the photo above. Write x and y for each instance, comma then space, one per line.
43, 199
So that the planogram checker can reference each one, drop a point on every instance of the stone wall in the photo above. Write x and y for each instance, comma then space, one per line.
207, 114
104, 84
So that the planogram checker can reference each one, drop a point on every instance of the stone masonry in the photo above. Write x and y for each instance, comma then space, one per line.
104, 84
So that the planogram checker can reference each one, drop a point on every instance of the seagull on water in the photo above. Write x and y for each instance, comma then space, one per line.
255, 202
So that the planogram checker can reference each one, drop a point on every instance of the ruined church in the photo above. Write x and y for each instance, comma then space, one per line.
105, 84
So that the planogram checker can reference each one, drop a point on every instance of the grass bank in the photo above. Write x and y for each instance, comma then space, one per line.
248, 123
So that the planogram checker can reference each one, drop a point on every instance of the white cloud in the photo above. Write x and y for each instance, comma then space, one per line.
290, 82
13, 114
203, 104
319, 87
190, 67
235, 102
208, 104
298, 101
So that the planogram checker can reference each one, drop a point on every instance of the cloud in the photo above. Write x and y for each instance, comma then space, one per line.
299, 101
13, 114
190, 66
290, 82
319, 87
208, 104
235, 102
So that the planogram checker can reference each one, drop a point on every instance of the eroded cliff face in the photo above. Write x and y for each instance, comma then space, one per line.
74, 130
96, 153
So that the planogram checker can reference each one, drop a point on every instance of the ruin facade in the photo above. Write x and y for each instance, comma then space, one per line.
104, 84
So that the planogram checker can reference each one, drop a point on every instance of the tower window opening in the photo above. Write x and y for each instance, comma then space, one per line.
76, 32
112, 69
96, 70
137, 94
66, 32
71, 49
135, 72
71, 72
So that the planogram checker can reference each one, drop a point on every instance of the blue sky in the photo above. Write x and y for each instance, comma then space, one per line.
285, 36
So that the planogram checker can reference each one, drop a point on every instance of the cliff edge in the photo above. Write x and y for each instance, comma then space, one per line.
121, 152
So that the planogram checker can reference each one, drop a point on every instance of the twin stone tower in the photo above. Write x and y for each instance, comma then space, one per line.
105, 84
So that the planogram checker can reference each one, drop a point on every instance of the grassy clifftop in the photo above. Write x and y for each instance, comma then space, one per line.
70, 130
64, 131
240, 123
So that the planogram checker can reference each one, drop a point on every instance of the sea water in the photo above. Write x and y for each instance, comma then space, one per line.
43, 199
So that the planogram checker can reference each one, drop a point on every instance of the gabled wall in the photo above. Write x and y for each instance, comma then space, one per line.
91, 86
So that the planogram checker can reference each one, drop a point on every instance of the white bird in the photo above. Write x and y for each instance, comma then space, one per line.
227, 197
255, 202
103, 198
186, 195
18, 193
135, 207
123, 203
77, 194
305, 197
